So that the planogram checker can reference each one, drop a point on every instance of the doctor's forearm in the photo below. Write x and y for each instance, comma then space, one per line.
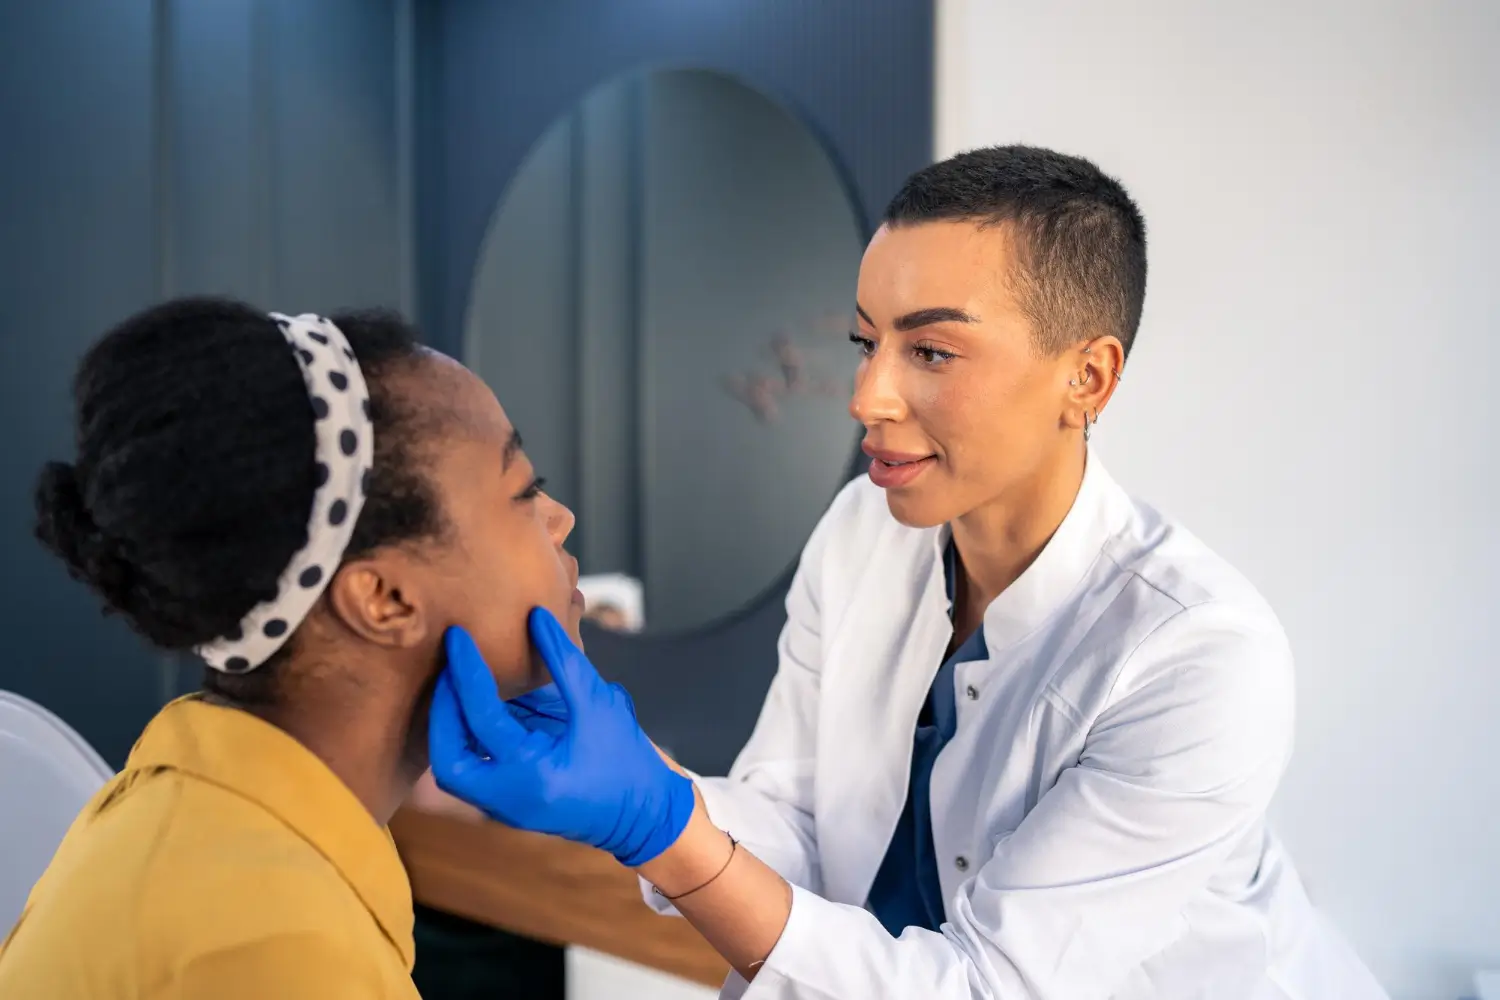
742, 906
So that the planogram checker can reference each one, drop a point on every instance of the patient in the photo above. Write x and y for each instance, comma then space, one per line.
226, 499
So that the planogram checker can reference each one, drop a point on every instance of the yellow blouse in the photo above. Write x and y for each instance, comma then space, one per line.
225, 862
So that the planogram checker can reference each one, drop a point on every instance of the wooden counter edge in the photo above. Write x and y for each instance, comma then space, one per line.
547, 889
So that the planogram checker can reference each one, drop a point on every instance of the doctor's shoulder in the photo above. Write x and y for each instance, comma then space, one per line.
1205, 641
1167, 557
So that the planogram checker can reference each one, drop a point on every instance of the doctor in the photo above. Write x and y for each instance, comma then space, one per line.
1024, 729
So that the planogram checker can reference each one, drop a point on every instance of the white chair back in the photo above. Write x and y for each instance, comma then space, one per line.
47, 774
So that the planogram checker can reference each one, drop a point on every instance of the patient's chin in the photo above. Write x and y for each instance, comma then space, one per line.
537, 676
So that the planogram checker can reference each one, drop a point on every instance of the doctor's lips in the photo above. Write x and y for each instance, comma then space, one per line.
893, 469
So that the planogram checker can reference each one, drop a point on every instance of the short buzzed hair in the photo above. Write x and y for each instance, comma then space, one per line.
1080, 240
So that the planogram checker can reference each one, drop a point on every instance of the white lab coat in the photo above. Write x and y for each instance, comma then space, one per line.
1098, 816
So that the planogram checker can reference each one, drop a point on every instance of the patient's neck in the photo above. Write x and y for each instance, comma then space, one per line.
375, 759
373, 740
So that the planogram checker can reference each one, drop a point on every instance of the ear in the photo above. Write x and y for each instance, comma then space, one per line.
1093, 369
381, 600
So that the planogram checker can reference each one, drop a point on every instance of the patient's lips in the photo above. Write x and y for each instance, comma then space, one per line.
571, 562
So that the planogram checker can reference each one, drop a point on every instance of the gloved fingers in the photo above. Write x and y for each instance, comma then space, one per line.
453, 754
483, 715
574, 675
545, 702
624, 695
474, 685
527, 715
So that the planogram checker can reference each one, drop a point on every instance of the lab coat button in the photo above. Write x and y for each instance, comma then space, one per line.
972, 692
961, 863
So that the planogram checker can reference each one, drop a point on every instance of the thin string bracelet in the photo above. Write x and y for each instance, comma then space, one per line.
734, 846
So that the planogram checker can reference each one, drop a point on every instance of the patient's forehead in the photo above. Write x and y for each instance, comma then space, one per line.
447, 399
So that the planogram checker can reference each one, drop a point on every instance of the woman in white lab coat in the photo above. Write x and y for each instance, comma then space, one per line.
1024, 729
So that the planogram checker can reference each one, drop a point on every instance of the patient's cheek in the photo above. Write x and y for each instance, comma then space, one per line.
537, 676
513, 662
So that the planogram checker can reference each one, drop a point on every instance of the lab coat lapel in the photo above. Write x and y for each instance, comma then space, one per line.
879, 670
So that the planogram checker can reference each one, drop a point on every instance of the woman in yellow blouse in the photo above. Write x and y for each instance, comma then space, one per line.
307, 504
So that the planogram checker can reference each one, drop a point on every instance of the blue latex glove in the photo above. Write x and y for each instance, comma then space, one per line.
542, 709
595, 779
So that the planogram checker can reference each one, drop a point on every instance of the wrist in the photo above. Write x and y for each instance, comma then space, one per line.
659, 825
696, 856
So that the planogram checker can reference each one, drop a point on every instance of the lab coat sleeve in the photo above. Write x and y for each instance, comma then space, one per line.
1176, 771
766, 802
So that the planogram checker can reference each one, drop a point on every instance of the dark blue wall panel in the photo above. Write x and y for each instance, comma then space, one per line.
257, 148
243, 147
78, 233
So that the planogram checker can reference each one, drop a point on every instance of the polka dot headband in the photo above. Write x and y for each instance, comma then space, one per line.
344, 452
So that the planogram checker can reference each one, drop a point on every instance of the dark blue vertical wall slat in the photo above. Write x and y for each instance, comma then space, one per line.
493, 77
606, 393
211, 121
332, 122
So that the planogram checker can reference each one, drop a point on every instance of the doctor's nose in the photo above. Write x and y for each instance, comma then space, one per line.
877, 394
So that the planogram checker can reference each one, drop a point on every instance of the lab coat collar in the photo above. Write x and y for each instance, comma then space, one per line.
254, 759
1098, 512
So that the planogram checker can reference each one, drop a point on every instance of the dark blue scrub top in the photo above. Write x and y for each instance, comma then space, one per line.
907, 892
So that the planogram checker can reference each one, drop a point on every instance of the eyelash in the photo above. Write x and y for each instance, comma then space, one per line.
534, 490
930, 356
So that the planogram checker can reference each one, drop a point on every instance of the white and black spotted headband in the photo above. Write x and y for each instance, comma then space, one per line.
345, 451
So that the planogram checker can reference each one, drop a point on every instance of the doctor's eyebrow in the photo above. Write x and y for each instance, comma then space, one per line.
924, 317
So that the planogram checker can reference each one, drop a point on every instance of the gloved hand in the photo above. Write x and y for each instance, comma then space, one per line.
542, 709
596, 779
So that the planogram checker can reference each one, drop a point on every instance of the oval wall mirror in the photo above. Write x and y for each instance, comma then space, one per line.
662, 303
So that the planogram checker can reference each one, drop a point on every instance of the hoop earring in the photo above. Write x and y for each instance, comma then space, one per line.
1118, 376
1086, 426
1088, 373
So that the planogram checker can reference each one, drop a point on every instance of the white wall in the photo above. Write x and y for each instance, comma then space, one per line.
593, 975
1314, 388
